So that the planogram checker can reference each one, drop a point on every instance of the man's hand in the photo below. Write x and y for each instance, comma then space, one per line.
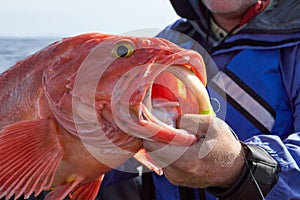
217, 159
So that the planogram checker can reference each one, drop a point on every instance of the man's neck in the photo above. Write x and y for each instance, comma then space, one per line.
227, 22
230, 20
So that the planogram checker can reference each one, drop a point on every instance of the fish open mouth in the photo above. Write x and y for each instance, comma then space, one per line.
148, 101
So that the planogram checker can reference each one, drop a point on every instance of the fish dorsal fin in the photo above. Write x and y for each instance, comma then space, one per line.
30, 155
87, 191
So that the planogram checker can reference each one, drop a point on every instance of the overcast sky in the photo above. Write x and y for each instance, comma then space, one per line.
43, 18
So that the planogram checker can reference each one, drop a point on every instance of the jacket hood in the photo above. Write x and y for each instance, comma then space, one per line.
274, 19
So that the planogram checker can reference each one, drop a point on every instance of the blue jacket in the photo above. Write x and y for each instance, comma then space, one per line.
264, 59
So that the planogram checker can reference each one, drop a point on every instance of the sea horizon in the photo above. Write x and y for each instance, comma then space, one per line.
13, 49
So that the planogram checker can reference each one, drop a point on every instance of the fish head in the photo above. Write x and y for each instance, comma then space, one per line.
113, 91
154, 84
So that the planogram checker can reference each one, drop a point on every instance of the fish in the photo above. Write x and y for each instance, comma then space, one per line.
83, 105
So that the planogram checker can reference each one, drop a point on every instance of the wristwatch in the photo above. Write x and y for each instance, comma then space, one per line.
259, 175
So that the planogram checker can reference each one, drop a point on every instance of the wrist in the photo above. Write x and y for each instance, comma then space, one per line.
257, 178
236, 169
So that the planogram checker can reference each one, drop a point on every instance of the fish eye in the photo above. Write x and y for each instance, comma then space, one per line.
123, 49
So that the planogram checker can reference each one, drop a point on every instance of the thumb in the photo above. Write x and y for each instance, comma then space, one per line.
195, 123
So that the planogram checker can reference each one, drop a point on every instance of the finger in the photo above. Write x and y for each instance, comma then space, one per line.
164, 154
197, 124
180, 156
175, 175
179, 177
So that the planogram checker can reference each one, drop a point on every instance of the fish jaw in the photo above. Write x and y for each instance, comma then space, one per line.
139, 102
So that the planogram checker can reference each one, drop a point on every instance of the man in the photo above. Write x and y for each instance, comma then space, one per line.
255, 45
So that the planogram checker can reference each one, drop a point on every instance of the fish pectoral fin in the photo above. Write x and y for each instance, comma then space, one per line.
87, 191
144, 158
30, 155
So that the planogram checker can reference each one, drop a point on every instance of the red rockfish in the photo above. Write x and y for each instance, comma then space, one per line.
82, 106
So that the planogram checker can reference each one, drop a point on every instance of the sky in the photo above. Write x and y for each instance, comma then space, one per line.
60, 18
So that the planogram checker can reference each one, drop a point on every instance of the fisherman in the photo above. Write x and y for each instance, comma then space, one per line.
255, 45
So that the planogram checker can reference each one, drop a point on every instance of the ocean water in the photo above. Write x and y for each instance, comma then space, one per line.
15, 49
